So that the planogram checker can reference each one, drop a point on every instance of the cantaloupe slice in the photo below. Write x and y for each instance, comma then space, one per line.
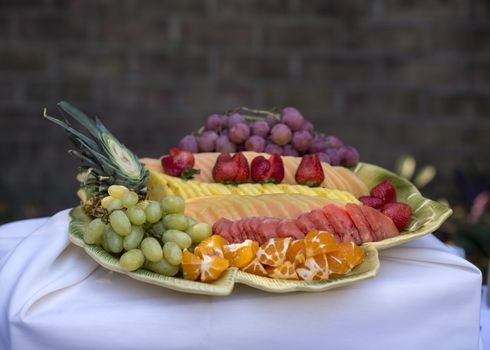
335, 177
235, 207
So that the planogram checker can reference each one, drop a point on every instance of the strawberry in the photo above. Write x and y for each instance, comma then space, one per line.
224, 169
267, 171
182, 156
372, 202
277, 168
243, 172
179, 163
399, 213
260, 169
170, 167
384, 191
310, 171
230, 169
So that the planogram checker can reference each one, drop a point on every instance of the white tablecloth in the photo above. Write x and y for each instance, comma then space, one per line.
53, 296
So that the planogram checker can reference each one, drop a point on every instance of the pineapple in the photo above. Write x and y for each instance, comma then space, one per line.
161, 184
105, 161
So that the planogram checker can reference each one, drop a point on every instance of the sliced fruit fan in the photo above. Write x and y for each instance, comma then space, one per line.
255, 193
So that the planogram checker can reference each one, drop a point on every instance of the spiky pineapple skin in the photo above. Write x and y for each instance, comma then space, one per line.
104, 160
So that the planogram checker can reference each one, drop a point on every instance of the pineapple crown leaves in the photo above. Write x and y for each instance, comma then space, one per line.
102, 154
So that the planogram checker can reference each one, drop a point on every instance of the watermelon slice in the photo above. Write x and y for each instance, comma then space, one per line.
267, 229
342, 223
380, 224
360, 222
305, 224
288, 228
355, 223
318, 218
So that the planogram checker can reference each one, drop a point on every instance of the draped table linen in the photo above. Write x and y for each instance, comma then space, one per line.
54, 296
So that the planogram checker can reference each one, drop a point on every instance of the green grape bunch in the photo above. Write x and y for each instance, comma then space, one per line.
145, 233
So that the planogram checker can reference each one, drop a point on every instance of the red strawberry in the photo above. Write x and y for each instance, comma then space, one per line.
182, 156
243, 172
310, 171
384, 191
260, 169
231, 169
399, 213
224, 169
170, 167
277, 168
179, 163
263, 170
372, 202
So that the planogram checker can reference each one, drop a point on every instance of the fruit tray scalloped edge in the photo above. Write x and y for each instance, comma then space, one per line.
427, 217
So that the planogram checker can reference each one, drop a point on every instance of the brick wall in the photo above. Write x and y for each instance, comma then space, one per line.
390, 76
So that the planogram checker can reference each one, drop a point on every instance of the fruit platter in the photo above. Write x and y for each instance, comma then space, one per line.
253, 197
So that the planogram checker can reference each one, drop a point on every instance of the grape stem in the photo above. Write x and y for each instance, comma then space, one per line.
255, 111
251, 117
259, 114
255, 114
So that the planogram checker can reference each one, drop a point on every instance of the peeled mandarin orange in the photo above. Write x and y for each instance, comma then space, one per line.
314, 268
255, 247
273, 252
337, 265
255, 268
285, 271
191, 265
319, 242
212, 267
211, 246
353, 254
240, 254
300, 259
296, 252
345, 258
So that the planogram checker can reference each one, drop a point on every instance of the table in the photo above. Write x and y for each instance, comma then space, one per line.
53, 296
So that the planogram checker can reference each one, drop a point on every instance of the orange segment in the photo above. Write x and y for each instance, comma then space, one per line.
319, 242
211, 246
273, 252
296, 252
240, 254
212, 267
255, 247
314, 268
285, 271
191, 265
345, 258
337, 265
255, 268
353, 254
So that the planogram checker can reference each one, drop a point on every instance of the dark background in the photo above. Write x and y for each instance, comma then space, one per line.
388, 76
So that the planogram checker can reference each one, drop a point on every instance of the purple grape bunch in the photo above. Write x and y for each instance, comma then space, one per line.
284, 132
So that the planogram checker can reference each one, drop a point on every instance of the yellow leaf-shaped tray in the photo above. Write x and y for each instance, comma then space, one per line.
427, 216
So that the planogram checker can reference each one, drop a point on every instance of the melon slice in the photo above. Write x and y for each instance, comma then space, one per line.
235, 207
